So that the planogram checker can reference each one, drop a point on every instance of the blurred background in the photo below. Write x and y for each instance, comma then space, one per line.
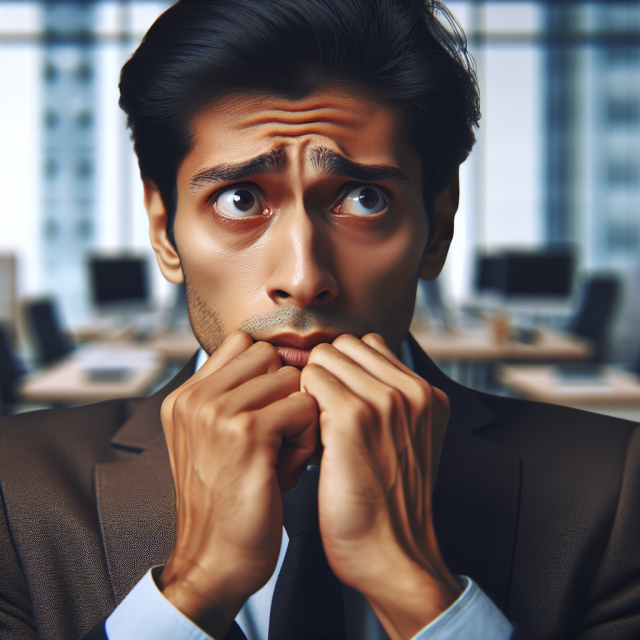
540, 296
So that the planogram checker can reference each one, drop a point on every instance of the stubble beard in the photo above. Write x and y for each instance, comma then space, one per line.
210, 330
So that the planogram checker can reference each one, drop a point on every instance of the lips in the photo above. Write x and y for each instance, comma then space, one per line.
294, 349
293, 357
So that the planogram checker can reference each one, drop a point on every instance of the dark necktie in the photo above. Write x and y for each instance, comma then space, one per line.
307, 601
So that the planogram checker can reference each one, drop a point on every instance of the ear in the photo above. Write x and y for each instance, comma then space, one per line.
444, 207
166, 254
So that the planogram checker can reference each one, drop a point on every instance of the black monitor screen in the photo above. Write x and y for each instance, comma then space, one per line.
538, 274
488, 276
119, 281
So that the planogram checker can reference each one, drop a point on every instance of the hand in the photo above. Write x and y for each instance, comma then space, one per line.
225, 429
382, 428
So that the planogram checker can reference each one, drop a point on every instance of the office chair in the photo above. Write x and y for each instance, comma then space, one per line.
45, 331
597, 305
10, 373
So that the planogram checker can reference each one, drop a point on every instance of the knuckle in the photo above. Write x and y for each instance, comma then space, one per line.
317, 355
344, 338
390, 401
323, 347
240, 337
203, 419
267, 352
361, 413
420, 391
242, 425
374, 340
166, 409
308, 375
289, 372
210, 414
264, 348
442, 398
310, 370
182, 403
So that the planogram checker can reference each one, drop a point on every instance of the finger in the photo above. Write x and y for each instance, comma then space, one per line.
259, 359
376, 358
349, 430
351, 374
377, 343
234, 344
373, 353
417, 413
339, 407
293, 425
262, 390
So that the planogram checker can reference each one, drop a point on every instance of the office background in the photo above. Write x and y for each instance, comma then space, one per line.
556, 165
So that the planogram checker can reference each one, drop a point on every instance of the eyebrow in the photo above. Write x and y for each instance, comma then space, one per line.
272, 162
323, 160
326, 161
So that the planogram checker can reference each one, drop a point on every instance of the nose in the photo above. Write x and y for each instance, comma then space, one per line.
301, 276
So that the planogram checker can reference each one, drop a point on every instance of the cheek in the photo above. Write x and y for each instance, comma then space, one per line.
376, 277
224, 275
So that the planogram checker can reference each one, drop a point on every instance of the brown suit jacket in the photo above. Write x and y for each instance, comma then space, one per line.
539, 504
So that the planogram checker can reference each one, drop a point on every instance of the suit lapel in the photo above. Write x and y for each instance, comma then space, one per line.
476, 497
135, 496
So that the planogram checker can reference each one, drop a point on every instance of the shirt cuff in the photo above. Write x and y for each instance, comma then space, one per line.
145, 614
472, 616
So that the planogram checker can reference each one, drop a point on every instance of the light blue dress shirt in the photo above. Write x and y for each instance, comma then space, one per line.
145, 614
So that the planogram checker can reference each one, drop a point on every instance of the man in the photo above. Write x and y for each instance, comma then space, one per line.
300, 167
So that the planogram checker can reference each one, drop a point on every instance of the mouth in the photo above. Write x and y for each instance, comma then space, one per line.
293, 357
294, 350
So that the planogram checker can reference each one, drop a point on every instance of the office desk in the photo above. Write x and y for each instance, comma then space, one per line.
612, 394
175, 346
70, 381
479, 346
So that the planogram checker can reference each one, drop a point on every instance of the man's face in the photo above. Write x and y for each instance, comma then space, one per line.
298, 221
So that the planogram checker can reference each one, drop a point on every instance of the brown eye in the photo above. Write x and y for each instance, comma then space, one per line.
238, 203
364, 201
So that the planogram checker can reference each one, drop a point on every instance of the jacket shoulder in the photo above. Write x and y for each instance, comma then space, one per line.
53, 437
521, 423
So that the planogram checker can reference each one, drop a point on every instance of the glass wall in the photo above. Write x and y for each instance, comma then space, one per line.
557, 158
68, 177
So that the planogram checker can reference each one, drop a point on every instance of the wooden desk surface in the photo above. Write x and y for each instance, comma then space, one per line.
479, 346
175, 346
69, 381
616, 388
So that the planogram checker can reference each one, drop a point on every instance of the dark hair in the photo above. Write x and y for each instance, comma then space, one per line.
395, 51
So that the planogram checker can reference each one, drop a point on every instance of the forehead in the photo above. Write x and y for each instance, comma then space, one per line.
243, 127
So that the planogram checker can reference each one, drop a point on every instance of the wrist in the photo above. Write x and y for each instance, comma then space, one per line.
212, 604
407, 597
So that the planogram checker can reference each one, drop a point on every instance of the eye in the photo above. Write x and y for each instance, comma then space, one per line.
238, 202
364, 201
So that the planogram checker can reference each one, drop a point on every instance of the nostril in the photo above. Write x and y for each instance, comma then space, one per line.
322, 295
281, 294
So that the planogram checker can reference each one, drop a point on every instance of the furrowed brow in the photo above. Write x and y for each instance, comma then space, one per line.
272, 162
326, 161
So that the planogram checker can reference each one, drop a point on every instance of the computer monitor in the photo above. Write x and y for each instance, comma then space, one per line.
537, 274
512, 274
119, 282
488, 275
